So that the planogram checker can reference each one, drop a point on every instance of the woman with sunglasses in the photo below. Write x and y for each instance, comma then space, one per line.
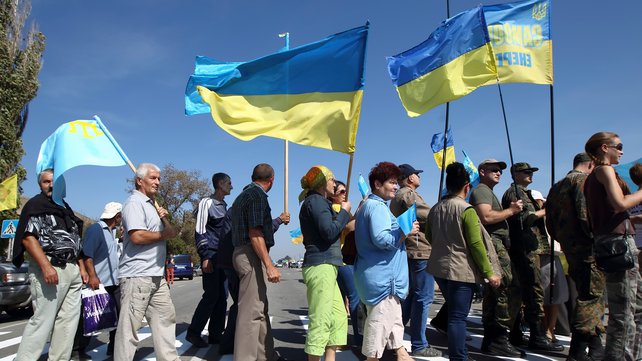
346, 272
321, 227
607, 201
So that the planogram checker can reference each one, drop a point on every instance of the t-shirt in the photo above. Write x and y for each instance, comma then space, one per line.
484, 195
141, 260
99, 245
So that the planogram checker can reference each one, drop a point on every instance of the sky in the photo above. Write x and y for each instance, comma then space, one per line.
129, 61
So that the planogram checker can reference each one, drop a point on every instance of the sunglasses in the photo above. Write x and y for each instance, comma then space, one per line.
619, 146
529, 172
495, 170
343, 191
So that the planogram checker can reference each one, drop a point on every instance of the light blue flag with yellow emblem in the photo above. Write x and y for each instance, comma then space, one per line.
80, 142
623, 171
407, 218
471, 169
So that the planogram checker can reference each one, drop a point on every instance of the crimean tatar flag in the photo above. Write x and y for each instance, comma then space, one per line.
437, 145
310, 95
455, 60
80, 142
520, 35
9, 193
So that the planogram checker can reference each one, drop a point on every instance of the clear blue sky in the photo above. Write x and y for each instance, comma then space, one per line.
128, 62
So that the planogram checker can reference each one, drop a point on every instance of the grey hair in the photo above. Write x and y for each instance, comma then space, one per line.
48, 170
143, 169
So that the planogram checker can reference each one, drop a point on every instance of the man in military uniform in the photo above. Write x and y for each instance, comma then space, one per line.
501, 305
567, 222
528, 241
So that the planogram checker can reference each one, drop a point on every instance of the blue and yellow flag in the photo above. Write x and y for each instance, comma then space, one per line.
9, 193
455, 60
437, 146
81, 142
296, 236
520, 34
310, 95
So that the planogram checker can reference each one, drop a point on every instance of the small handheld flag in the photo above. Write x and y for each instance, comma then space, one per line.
9, 193
363, 187
407, 218
296, 236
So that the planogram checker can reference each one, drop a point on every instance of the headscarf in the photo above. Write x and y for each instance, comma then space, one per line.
313, 179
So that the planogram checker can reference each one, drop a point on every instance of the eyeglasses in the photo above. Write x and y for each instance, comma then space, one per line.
495, 170
619, 146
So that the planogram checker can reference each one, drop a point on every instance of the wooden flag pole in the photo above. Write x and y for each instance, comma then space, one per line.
349, 175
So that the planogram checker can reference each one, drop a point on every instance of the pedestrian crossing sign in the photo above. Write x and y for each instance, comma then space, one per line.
9, 228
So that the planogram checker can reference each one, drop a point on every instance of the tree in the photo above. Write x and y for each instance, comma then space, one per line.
179, 193
20, 62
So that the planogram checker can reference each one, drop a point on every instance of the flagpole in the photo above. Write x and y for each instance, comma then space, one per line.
286, 152
552, 255
443, 155
349, 175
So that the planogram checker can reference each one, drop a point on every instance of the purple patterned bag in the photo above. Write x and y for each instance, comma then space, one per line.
99, 311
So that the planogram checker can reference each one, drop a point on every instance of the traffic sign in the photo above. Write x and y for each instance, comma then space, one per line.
9, 228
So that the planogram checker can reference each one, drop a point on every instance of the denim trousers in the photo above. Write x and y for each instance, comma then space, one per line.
459, 296
416, 306
212, 306
345, 280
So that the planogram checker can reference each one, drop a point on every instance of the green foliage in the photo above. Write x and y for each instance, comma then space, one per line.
20, 62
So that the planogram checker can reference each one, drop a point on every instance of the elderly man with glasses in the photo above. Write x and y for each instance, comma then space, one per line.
529, 240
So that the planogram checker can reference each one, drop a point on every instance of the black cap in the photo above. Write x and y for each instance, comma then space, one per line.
520, 167
407, 170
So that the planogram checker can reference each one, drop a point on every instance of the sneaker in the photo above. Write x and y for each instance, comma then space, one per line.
195, 340
427, 352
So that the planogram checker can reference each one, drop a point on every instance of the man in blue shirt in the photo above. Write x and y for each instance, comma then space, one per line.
100, 251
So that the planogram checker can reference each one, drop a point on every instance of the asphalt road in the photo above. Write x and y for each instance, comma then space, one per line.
288, 309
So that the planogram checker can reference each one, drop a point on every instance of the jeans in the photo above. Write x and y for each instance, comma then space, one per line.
345, 280
459, 296
212, 306
416, 306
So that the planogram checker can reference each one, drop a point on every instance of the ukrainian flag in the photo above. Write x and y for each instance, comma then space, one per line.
437, 146
455, 60
310, 95
520, 34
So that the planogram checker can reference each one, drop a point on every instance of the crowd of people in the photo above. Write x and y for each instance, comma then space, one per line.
469, 240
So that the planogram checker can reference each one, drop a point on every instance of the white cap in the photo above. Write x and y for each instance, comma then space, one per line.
111, 210
537, 195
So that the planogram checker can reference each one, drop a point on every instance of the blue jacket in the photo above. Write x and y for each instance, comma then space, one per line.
381, 267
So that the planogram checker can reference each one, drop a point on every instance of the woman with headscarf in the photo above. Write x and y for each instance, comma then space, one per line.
321, 227
381, 267
607, 201
461, 256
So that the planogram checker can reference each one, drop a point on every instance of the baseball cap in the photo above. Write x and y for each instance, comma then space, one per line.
537, 195
502, 165
407, 170
581, 158
522, 166
111, 210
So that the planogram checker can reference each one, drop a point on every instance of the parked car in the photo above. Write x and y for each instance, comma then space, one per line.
15, 295
198, 271
183, 266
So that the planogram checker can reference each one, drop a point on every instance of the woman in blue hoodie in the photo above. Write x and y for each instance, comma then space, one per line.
321, 227
381, 267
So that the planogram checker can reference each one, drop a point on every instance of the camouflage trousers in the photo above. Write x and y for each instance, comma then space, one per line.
528, 269
501, 304
590, 284
624, 332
